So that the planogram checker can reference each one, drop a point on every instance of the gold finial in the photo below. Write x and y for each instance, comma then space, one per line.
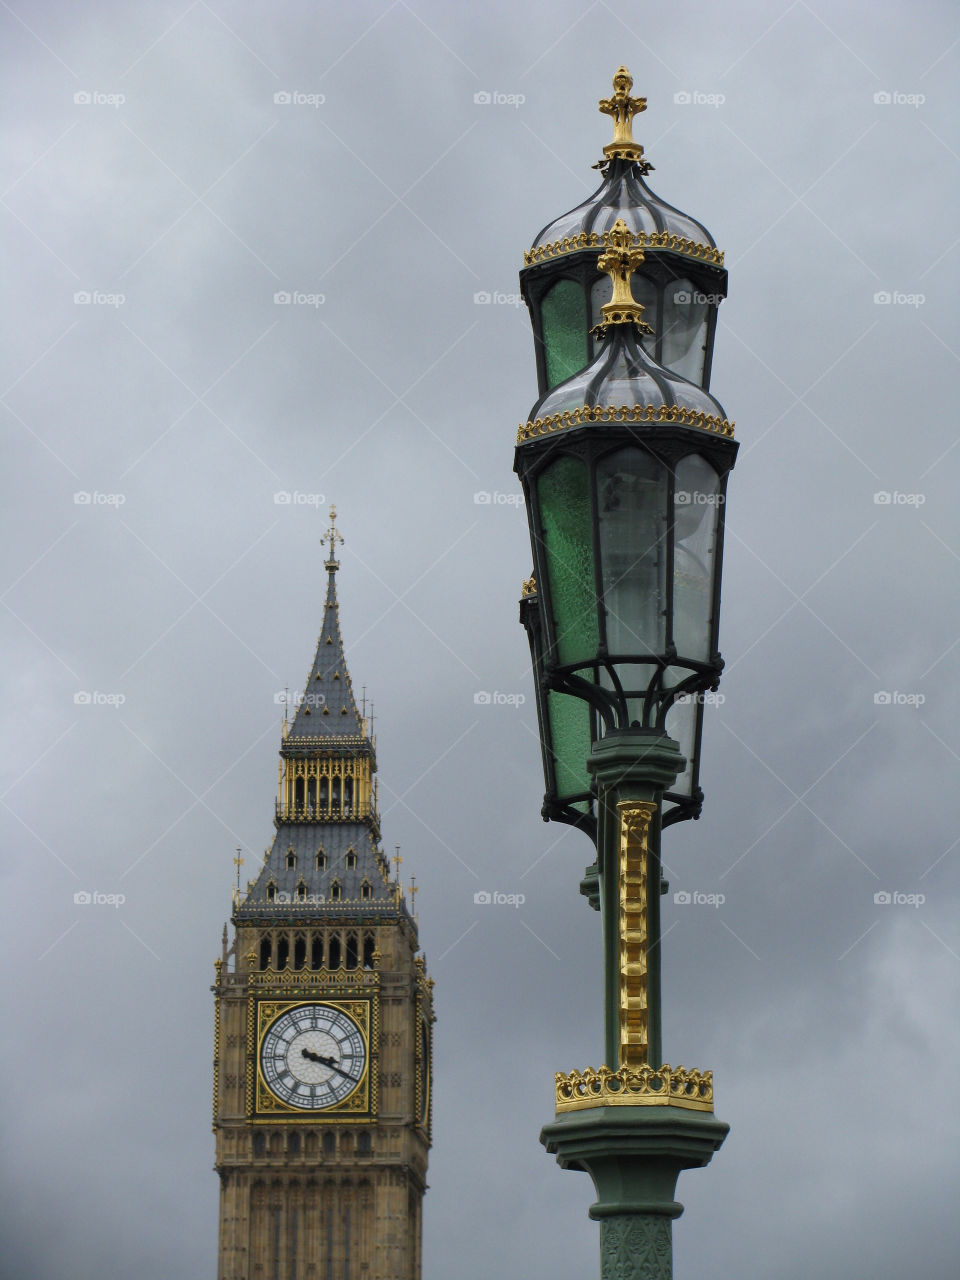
623, 108
619, 260
238, 863
529, 588
333, 536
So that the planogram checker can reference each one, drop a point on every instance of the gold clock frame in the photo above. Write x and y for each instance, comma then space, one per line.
358, 1107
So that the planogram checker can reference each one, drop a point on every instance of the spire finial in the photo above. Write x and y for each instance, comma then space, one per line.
623, 108
333, 536
619, 260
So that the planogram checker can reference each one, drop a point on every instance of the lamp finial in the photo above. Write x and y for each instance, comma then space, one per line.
620, 258
623, 108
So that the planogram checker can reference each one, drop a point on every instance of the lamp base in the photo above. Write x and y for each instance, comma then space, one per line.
634, 1156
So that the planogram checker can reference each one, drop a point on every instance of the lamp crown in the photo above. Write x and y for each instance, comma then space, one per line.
621, 257
622, 108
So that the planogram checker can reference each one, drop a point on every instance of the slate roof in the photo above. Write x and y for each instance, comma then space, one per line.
327, 708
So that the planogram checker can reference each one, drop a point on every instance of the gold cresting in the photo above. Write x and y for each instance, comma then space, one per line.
633, 821
619, 260
673, 413
641, 239
529, 588
622, 108
644, 1086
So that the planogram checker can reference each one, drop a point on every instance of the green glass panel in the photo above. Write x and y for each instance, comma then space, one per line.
563, 317
564, 500
571, 741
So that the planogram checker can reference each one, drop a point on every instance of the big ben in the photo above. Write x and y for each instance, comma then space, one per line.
323, 1043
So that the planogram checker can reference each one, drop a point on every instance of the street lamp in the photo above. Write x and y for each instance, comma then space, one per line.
624, 466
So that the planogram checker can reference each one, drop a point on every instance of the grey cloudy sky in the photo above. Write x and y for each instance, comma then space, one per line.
830, 1020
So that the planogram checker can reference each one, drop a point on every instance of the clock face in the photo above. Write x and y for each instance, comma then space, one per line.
312, 1056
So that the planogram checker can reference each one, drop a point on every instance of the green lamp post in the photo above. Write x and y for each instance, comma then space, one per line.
623, 466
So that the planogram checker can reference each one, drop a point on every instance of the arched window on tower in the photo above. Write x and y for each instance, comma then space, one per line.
271, 891
291, 859
333, 953
311, 795
329, 1144
283, 951
336, 891
352, 959
348, 796
299, 951
324, 794
321, 860
351, 859
265, 953
369, 946
335, 795
366, 890
301, 890
298, 795
316, 952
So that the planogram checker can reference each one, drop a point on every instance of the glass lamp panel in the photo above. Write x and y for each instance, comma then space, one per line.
563, 321
681, 725
632, 510
684, 330
696, 514
563, 497
571, 742
644, 291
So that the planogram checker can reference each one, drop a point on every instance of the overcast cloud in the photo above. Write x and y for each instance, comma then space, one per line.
819, 144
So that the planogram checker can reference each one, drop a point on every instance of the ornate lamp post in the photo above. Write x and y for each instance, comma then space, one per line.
623, 466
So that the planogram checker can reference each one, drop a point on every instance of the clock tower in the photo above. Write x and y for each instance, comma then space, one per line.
322, 1042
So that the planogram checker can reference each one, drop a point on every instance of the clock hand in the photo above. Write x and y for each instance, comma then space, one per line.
329, 1062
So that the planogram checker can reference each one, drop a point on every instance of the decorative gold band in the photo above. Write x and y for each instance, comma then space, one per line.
633, 820
625, 413
641, 240
635, 1087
